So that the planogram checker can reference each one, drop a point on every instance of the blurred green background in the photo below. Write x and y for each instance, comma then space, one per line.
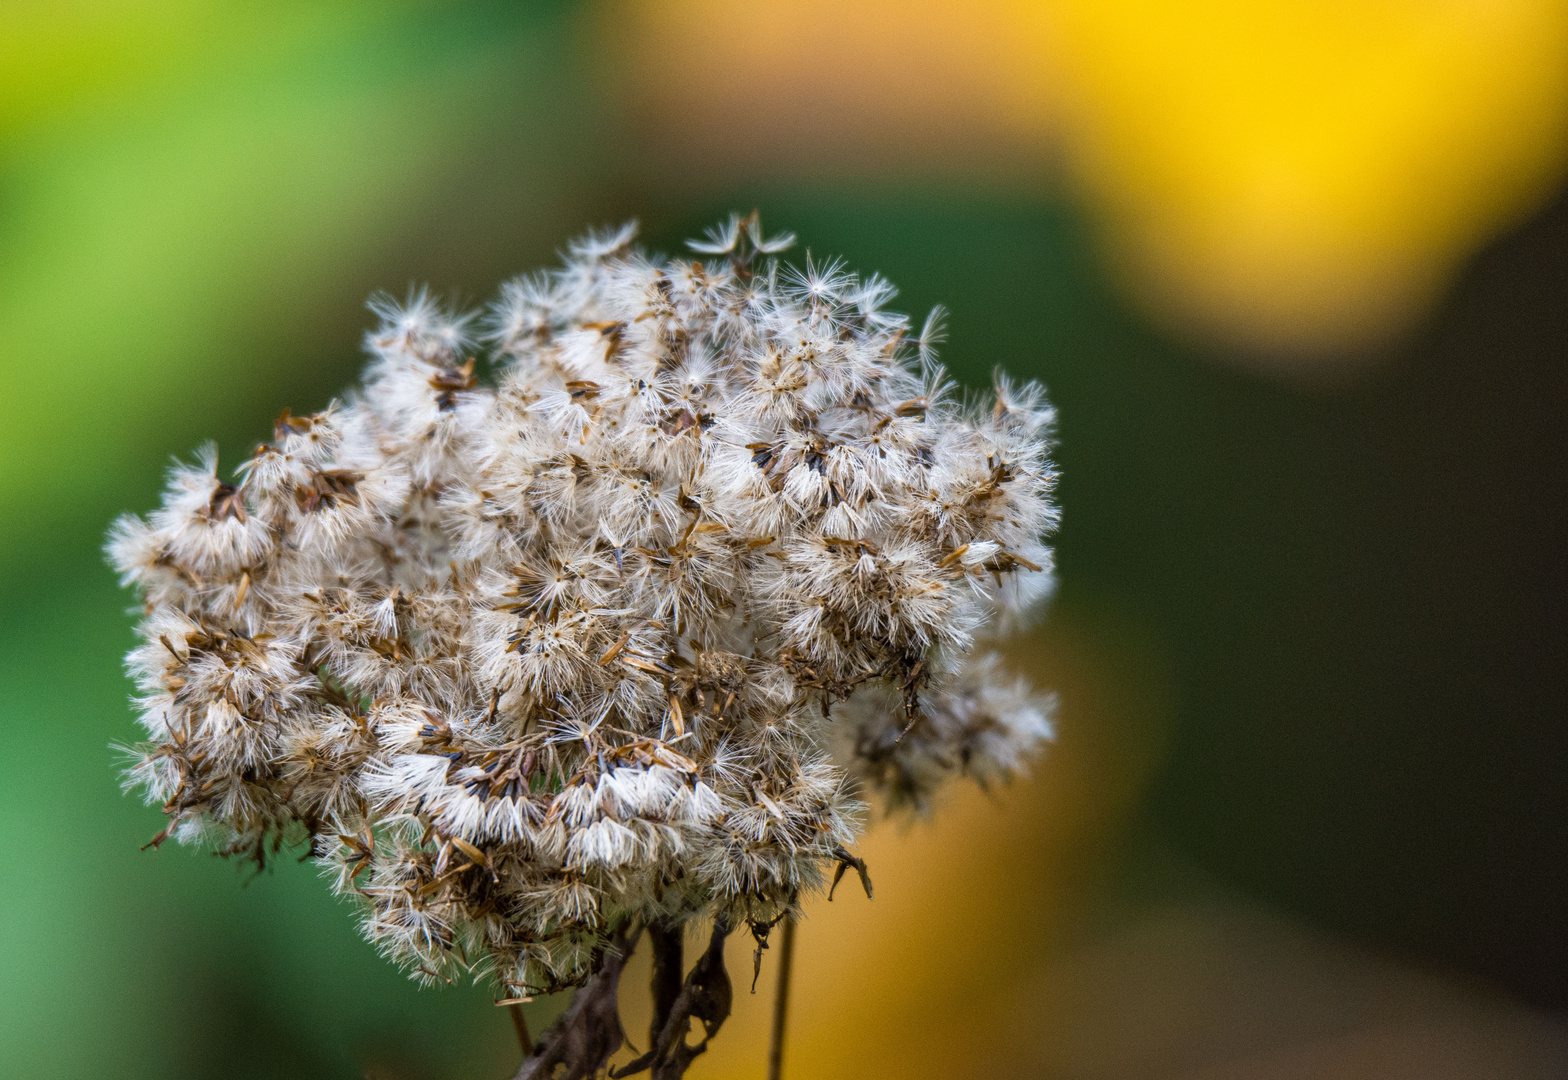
1307, 813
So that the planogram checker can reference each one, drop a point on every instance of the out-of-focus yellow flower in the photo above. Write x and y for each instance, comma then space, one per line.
1296, 178
1305, 175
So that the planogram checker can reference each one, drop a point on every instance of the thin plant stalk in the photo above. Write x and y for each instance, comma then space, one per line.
781, 1002
520, 1025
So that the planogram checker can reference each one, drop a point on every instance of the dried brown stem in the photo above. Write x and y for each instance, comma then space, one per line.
705, 995
583, 1038
520, 1025
669, 971
781, 1002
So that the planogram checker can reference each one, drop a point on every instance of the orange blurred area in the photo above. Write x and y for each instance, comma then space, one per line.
1294, 181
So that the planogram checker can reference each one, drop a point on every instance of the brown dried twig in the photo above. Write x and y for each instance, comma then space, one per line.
706, 995
585, 1036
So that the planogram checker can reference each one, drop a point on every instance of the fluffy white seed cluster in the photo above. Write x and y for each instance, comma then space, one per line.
626, 636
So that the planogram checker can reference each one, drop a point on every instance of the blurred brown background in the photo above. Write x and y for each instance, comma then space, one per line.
1295, 274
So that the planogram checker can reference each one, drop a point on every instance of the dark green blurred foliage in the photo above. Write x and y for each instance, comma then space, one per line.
1360, 590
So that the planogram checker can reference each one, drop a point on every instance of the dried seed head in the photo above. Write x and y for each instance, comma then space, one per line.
525, 662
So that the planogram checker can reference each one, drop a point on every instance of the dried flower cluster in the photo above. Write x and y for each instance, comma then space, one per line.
619, 641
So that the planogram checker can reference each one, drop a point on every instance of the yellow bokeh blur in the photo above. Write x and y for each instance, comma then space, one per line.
1307, 174
1293, 179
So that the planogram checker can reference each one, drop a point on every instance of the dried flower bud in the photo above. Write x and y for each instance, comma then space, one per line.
526, 663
